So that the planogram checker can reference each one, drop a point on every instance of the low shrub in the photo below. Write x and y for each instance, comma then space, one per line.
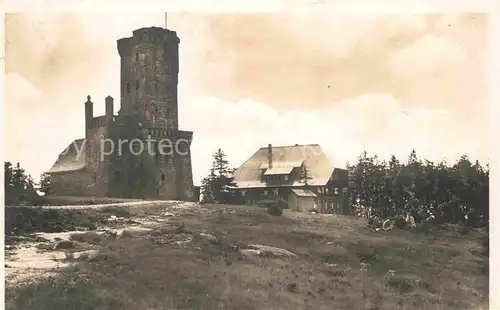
276, 208
23, 220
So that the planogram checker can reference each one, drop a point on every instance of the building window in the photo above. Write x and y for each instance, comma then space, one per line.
136, 56
265, 192
337, 191
163, 177
285, 177
136, 84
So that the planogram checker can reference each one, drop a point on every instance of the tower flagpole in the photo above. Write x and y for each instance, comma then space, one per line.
165, 20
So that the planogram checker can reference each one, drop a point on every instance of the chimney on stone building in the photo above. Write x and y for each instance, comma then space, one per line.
109, 107
270, 155
89, 113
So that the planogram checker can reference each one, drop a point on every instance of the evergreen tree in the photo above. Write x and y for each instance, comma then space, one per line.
206, 188
450, 194
219, 186
18, 185
8, 180
304, 175
30, 184
18, 181
45, 184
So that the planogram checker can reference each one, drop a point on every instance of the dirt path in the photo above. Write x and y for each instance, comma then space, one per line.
119, 204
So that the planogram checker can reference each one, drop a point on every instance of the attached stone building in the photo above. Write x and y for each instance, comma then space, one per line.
108, 162
300, 174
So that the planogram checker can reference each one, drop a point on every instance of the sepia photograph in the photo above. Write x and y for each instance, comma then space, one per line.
294, 159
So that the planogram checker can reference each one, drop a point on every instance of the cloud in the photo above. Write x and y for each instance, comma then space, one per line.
343, 129
428, 56
312, 59
247, 80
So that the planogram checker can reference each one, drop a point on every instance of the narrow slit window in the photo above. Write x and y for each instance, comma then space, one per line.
136, 56
137, 84
163, 177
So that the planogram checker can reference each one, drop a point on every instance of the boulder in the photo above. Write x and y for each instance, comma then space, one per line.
264, 250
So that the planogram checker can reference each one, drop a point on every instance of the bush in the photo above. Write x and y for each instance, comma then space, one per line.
36, 200
283, 204
276, 208
22, 220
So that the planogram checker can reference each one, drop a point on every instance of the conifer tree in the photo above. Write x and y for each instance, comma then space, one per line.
45, 184
219, 186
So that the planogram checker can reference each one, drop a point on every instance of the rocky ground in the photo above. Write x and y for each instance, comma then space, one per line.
175, 255
36, 256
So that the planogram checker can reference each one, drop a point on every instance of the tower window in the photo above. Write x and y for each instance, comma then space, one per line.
136, 84
156, 86
136, 56
163, 177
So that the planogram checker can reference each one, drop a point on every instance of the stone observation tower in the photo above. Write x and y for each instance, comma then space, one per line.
149, 75
149, 113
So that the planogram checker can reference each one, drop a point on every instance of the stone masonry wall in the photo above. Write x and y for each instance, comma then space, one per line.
72, 183
185, 176
95, 166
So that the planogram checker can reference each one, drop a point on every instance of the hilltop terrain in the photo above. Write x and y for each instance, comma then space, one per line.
173, 255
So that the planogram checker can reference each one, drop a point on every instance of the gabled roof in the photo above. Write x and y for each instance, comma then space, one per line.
319, 168
71, 159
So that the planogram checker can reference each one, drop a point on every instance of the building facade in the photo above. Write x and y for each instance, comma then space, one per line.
300, 174
140, 152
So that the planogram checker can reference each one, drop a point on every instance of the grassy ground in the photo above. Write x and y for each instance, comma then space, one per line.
35, 200
69, 200
340, 264
23, 220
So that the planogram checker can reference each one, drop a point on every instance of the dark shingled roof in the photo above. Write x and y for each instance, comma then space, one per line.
319, 167
71, 159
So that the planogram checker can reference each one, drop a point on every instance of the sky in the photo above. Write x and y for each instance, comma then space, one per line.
349, 82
